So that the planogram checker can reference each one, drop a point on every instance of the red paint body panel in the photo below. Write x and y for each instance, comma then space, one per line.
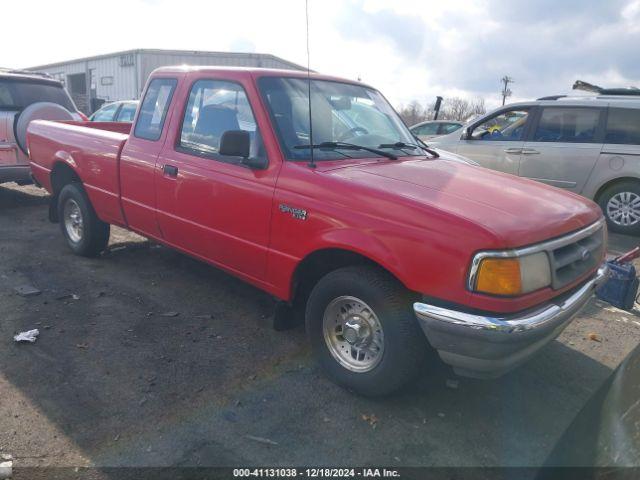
421, 219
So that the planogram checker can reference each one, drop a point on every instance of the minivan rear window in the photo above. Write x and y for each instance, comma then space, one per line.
567, 124
623, 126
16, 95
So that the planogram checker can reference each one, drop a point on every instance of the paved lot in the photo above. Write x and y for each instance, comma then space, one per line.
116, 378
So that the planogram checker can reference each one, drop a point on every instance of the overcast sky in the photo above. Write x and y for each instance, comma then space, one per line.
408, 49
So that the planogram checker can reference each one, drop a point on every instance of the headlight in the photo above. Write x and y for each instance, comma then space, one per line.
501, 274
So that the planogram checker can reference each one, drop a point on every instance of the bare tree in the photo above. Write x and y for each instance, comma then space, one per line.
413, 113
454, 108
461, 109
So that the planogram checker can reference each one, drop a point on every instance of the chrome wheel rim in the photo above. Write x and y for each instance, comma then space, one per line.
624, 209
353, 334
73, 223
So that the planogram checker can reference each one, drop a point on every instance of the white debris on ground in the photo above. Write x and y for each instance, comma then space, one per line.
28, 336
6, 466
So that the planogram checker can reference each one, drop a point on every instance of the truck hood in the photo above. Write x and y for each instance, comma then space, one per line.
515, 210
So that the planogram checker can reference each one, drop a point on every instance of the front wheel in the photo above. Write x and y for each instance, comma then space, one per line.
85, 233
363, 331
621, 206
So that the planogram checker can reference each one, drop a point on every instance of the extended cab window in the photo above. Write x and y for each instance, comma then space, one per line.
567, 124
153, 110
215, 107
623, 126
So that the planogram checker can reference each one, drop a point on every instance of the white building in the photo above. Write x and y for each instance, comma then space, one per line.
93, 81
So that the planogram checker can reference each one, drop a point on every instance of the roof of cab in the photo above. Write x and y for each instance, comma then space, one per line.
254, 72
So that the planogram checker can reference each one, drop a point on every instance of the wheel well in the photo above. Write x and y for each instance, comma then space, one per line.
610, 183
319, 263
61, 175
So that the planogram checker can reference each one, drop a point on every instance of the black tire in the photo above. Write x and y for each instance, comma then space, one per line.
405, 346
624, 187
95, 233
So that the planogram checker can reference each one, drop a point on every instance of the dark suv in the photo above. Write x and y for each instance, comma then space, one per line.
25, 96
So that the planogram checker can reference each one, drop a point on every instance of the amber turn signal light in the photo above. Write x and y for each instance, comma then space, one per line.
499, 276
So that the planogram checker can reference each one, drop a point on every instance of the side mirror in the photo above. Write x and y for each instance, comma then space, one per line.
467, 134
237, 143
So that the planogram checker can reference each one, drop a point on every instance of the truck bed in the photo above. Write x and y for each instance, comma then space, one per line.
92, 149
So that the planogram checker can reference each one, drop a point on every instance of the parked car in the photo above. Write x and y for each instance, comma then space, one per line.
586, 145
25, 96
371, 237
122, 111
434, 128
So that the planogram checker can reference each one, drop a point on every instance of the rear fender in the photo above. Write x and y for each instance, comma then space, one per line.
64, 171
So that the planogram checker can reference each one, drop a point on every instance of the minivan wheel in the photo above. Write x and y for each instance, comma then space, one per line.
621, 206
363, 331
85, 233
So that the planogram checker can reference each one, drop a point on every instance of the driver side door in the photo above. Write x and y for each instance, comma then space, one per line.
496, 141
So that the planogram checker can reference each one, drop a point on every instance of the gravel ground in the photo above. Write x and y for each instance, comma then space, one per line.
149, 358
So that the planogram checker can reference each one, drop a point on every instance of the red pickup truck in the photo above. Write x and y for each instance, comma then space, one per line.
340, 213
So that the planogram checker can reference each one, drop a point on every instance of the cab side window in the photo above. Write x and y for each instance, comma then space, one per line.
504, 127
215, 107
623, 126
567, 124
154, 107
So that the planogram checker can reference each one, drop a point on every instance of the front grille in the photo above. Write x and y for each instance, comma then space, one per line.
581, 253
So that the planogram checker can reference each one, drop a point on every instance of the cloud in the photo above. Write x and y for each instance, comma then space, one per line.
409, 49
405, 33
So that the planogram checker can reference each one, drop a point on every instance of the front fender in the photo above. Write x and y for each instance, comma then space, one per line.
362, 243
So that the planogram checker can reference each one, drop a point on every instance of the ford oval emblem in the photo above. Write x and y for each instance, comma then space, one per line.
585, 254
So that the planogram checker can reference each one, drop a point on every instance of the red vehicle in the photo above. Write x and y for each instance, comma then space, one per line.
369, 235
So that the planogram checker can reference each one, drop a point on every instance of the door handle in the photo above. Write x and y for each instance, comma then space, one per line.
512, 150
530, 151
170, 171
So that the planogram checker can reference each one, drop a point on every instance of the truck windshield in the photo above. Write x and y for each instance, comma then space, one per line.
16, 94
341, 113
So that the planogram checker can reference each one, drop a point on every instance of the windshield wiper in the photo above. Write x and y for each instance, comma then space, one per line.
411, 146
399, 145
347, 146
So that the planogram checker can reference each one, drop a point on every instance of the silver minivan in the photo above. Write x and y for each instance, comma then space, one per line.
587, 145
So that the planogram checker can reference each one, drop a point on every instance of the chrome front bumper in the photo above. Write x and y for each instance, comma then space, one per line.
487, 346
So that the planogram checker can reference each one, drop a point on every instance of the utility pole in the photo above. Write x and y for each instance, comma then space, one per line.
506, 91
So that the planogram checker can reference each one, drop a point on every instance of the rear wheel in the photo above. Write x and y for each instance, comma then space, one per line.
85, 233
621, 206
363, 331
